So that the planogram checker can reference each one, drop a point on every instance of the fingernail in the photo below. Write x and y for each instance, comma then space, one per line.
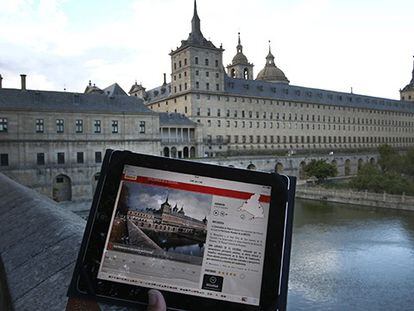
152, 297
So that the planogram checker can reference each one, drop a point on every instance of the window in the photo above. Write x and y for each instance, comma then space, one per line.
218, 112
198, 111
97, 126
40, 126
208, 86
40, 159
179, 63
98, 157
217, 87
217, 75
208, 112
79, 126
60, 158
197, 85
197, 73
114, 126
196, 60
217, 63
60, 127
79, 157
185, 61
207, 74
3, 125
142, 127
206, 62
4, 159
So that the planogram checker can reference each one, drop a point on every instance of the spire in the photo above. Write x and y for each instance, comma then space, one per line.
270, 59
239, 46
412, 79
195, 23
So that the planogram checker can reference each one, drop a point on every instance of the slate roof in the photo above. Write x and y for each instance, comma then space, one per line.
174, 119
158, 93
114, 90
281, 91
15, 99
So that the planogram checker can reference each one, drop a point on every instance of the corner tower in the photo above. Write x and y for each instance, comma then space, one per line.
197, 65
407, 93
240, 67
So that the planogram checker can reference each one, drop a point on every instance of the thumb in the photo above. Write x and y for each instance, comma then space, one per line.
156, 301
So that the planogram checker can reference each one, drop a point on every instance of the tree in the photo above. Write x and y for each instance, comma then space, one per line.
320, 169
389, 160
409, 163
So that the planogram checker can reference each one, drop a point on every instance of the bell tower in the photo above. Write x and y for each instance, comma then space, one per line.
240, 68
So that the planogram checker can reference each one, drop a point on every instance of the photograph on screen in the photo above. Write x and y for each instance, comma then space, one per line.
161, 222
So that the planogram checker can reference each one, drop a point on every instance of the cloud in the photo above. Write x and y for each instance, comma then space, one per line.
317, 43
195, 205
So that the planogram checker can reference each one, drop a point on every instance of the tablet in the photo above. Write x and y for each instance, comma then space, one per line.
207, 236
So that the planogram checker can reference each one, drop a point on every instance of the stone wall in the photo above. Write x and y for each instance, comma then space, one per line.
383, 200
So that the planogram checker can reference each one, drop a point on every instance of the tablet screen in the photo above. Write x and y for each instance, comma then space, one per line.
188, 234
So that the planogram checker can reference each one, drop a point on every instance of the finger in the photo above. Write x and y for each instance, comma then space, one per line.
156, 301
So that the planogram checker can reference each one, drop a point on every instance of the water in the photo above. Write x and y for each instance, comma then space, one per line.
351, 258
193, 249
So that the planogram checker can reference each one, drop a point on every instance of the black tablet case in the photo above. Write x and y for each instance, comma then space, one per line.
79, 270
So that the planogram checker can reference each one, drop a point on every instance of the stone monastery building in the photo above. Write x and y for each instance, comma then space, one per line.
240, 114
55, 141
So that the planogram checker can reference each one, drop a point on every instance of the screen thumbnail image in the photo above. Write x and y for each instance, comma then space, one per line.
161, 222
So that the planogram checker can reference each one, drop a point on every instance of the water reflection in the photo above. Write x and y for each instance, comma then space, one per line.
193, 250
351, 258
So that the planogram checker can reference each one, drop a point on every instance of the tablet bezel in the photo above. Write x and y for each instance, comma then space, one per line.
85, 282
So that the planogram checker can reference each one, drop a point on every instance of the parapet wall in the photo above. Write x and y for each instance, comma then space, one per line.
39, 243
383, 200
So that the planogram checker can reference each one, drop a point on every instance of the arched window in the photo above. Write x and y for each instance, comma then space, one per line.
233, 73
246, 73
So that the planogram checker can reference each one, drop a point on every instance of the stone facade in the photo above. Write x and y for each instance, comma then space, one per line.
55, 142
245, 116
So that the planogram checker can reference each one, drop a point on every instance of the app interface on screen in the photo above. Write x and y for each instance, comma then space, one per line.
188, 234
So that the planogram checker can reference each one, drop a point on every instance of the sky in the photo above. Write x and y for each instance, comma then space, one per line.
195, 205
327, 44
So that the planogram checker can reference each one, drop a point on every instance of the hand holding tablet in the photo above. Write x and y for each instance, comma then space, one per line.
204, 235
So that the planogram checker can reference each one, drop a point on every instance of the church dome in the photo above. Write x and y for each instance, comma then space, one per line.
271, 72
239, 58
410, 86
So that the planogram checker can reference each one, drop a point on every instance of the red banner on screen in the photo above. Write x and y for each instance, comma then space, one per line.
194, 188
